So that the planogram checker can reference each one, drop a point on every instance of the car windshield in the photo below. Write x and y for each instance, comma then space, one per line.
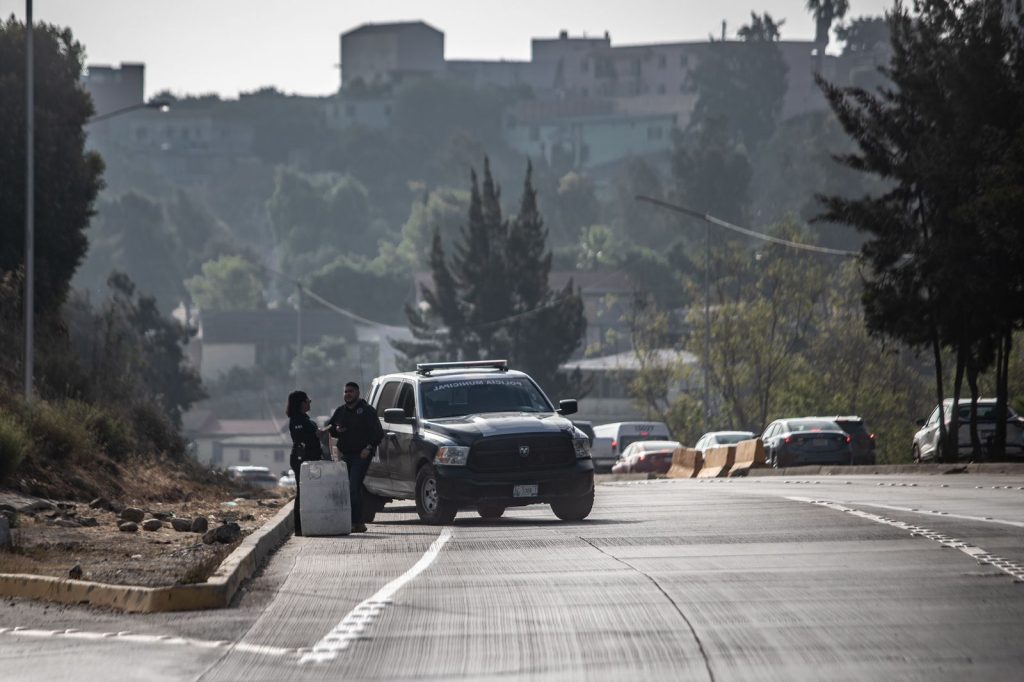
659, 445
854, 428
986, 411
811, 425
732, 438
459, 397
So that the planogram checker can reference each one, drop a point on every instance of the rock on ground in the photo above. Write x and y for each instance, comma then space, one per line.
133, 514
153, 524
128, 527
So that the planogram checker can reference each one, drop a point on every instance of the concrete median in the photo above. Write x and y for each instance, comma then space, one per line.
749, 454
686, 463
217, 592
717, 461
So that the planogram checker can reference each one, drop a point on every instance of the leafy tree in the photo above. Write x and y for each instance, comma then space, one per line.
712, 172
131, 353
864, 35
370, 288
317, 218
575, 205
439, 210
67, 177
826, 13
130, 235
948, 126
637, 221
742, 84
228, 283
765, 312
599, 247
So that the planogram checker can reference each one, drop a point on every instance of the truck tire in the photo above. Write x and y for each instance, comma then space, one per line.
574, 509
431, 507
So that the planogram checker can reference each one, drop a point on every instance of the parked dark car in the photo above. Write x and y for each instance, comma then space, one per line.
808, 440
648, 456
862, 441
476, 435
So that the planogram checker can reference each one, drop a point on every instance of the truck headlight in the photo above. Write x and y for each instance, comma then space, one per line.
455, 455
582, 447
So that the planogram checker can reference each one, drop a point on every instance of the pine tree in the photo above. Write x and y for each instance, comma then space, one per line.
494, 299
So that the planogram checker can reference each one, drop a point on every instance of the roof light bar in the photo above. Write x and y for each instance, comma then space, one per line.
428, 367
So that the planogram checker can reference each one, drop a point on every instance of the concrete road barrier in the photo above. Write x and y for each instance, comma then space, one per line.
215, 593
749, 454
686, 463
717, 461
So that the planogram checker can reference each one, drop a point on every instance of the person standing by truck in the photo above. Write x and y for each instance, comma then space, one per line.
305, 443
358, 430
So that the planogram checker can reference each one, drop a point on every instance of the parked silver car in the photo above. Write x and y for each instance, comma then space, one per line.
714, 439
926, 440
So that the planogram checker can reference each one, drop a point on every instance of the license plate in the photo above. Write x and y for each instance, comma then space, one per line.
820, 443
524, 491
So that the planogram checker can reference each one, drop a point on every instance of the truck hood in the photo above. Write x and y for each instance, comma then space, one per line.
467, 430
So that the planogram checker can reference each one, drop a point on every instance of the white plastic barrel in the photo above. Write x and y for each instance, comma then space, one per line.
325, 507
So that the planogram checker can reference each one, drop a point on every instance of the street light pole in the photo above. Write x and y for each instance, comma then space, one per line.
29, 205
707, 327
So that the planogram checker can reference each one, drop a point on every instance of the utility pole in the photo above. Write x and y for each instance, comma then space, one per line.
298, 339
29, 207
707, 327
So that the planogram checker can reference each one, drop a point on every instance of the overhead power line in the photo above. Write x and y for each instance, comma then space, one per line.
750, 233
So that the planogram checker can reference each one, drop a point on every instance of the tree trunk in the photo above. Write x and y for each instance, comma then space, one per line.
972, 383
939, 390
952, 446
1002, 391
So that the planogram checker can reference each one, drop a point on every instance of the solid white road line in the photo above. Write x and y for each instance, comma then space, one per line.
353, 625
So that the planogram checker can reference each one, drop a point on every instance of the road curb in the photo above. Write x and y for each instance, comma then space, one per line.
217, 592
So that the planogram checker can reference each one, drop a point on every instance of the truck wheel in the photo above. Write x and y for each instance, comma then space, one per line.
432, 508
488, 511
372, 505
574, 509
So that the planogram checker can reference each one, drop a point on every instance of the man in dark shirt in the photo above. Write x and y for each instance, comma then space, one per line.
358, 430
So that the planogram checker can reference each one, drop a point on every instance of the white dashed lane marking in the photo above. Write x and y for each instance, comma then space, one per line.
1011, 568
125, 637
365, 613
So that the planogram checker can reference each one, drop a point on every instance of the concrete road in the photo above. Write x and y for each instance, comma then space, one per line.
760, 578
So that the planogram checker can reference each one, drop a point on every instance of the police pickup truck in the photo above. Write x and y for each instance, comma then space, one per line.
476, 435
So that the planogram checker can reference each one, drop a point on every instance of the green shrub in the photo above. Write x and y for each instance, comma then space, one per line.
110, 431
14, 443
56, 435
155, 432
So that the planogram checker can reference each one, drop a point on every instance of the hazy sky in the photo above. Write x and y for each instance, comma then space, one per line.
227, 46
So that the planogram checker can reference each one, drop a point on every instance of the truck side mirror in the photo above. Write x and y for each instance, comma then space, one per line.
395, 415
569, 406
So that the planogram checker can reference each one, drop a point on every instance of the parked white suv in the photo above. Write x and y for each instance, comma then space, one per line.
926, 440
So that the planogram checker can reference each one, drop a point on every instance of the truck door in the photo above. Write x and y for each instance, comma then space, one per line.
378, 476
401, 466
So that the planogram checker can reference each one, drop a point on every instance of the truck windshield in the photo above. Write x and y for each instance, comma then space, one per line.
459, 397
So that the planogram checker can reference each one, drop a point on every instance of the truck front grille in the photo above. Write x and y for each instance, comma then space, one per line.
506, 453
